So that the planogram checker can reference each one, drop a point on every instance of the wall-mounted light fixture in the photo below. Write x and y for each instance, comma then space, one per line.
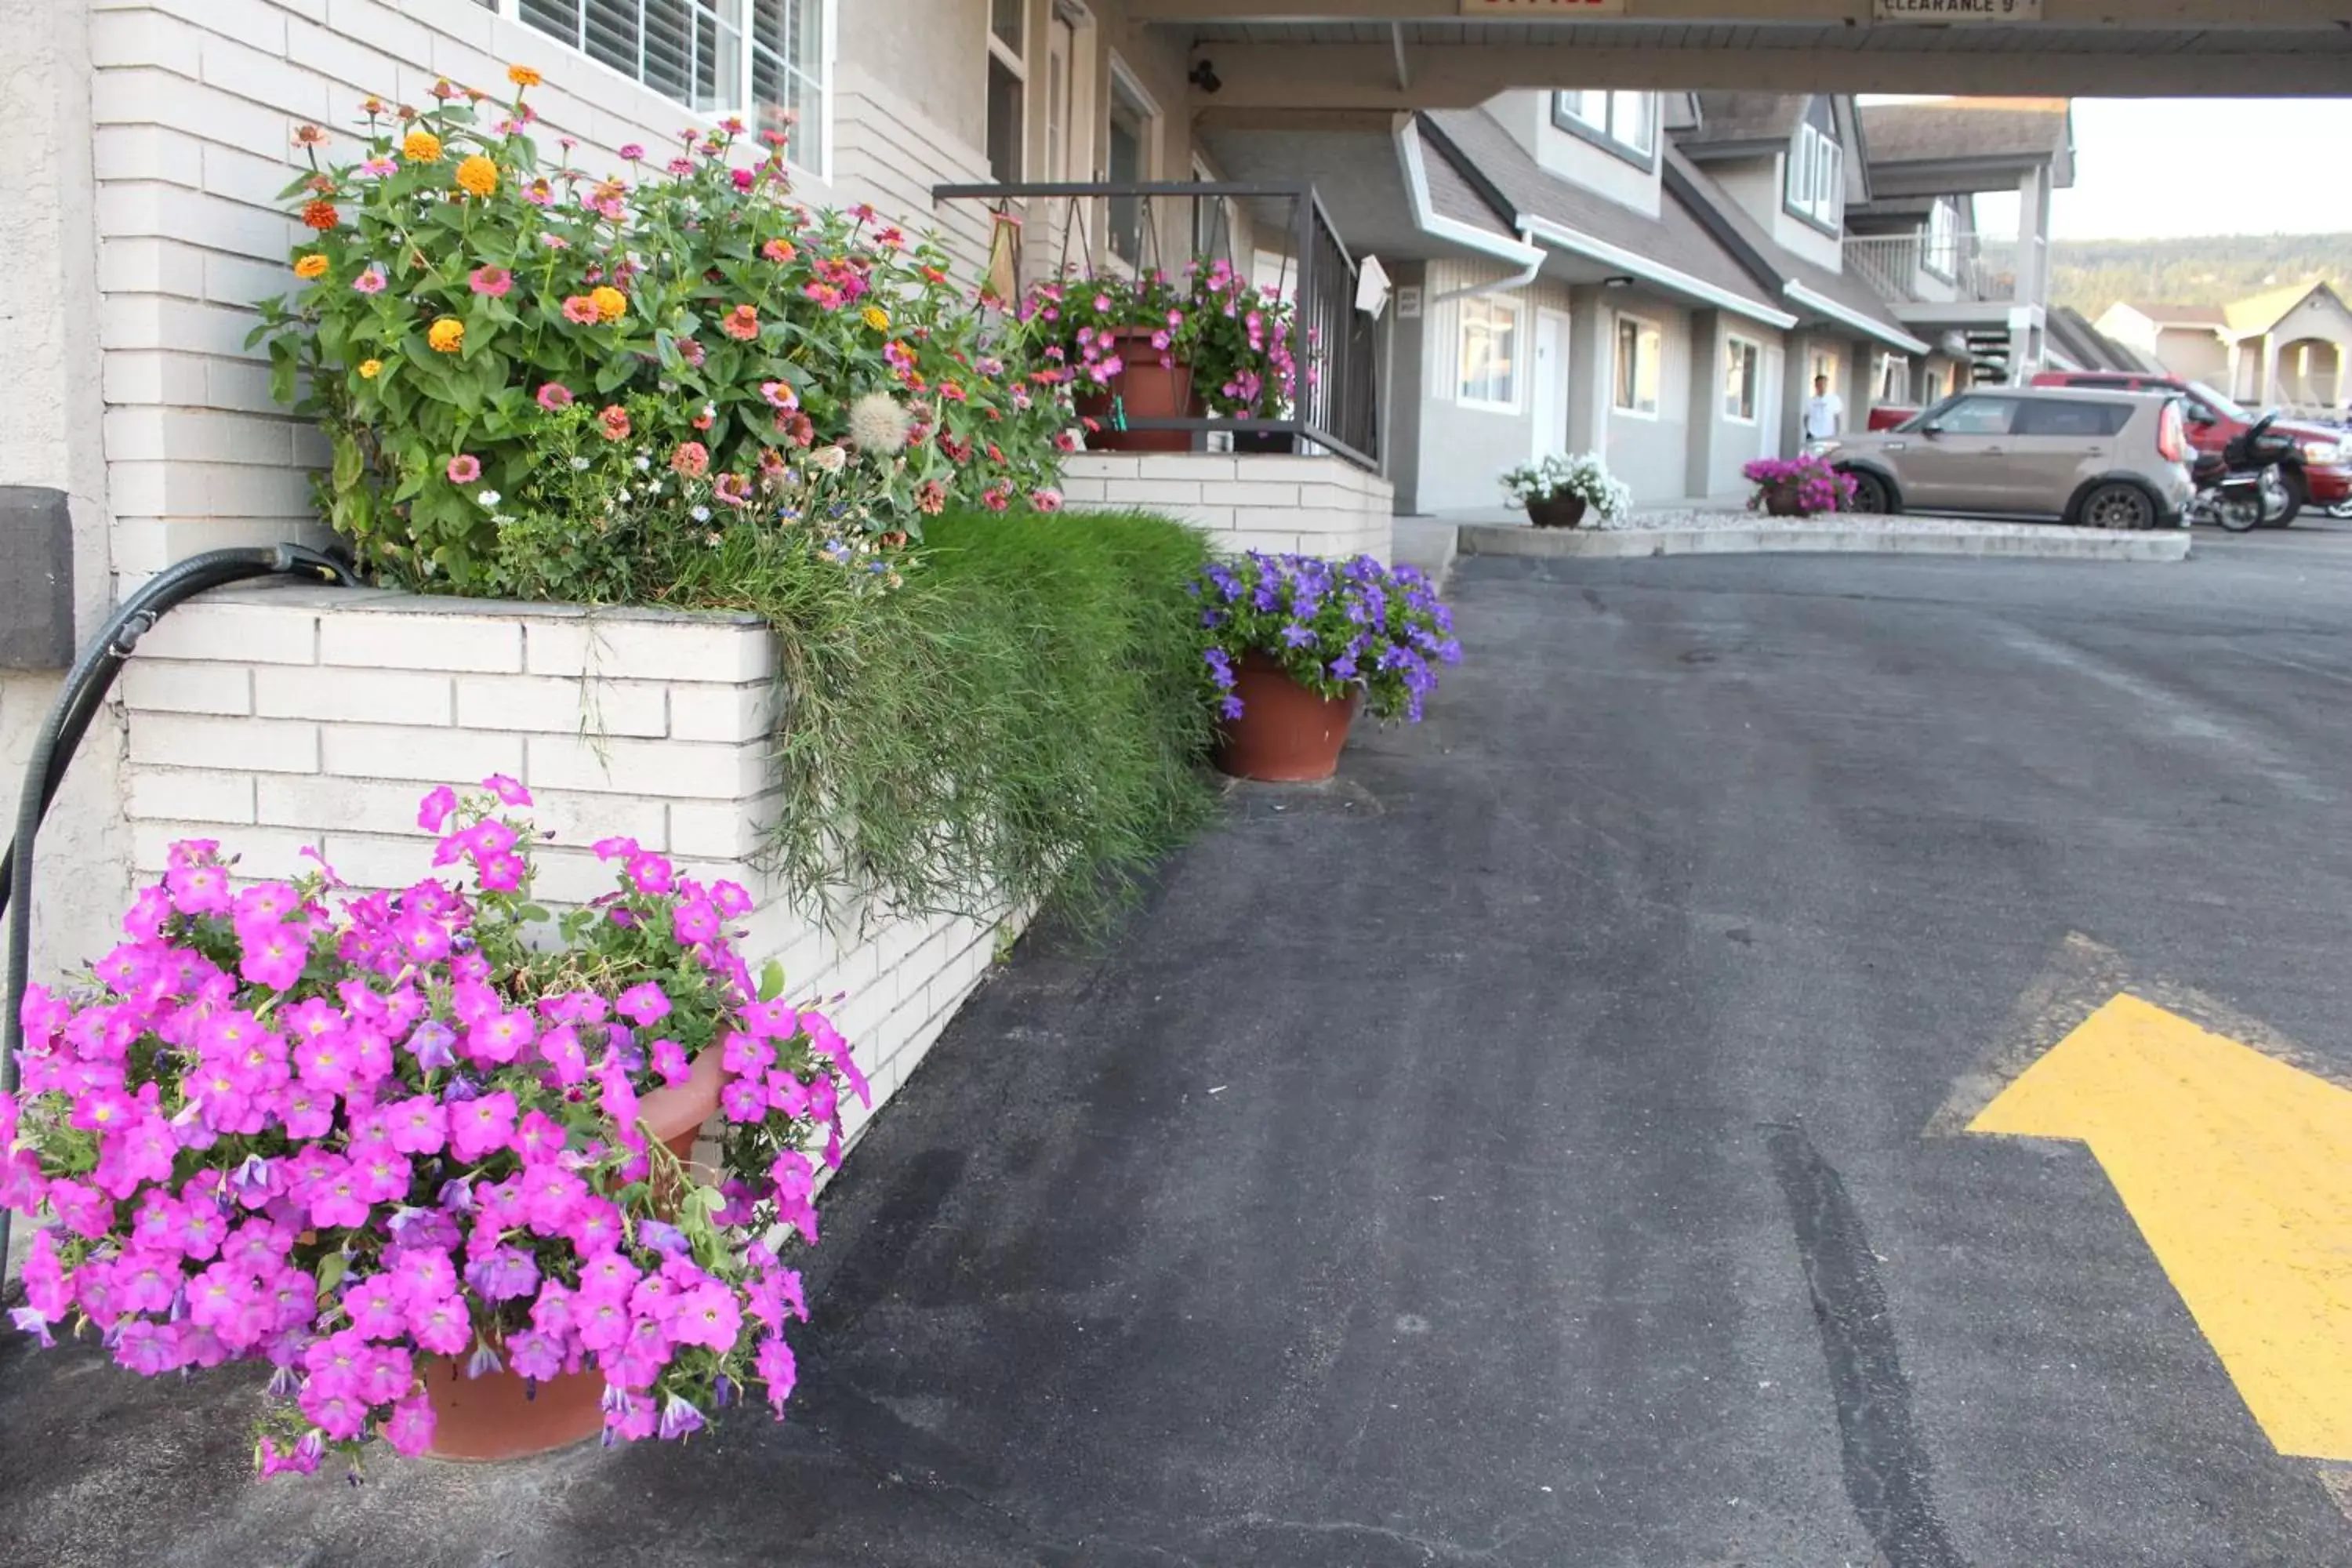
1204, 77
1618, 280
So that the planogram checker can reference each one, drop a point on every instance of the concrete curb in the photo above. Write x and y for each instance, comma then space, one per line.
2026, 542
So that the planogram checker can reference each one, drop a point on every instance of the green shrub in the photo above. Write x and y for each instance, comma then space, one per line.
1019, 722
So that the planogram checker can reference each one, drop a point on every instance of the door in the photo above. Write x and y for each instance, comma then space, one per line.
1964, 465
1768, 406
1549, 393
2056, 444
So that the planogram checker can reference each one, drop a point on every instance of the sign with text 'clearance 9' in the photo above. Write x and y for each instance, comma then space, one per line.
1543, 8
1955, 10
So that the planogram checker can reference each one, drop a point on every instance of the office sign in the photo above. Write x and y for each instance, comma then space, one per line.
1955, 10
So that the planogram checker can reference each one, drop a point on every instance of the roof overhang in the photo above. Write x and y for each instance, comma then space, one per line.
1815, 303
1429, 54
1651, 270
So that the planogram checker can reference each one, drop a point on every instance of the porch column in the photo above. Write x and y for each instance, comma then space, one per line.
1796, 386
1591, 359
2266, 389
1704, 419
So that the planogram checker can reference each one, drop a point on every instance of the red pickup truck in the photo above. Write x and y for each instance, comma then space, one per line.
2322, 474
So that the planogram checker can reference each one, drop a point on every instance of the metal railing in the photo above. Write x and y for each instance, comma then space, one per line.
1911, 269
1276, 235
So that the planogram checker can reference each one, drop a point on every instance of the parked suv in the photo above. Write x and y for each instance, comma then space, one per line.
2102, 460
2319, 475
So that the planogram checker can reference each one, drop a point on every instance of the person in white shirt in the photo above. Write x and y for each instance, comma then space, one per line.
1824, 412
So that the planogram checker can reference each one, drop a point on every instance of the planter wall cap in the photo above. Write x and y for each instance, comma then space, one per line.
395, 602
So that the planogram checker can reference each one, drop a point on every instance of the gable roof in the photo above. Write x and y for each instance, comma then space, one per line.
2177, 315
1671, 251
1959, 130
1811, 290
2261, 312
1743, 118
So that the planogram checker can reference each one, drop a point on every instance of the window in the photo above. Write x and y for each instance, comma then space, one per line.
1490, 353
1942, 253
1132, 121
1816, 178
1978, 415
1740, 359
1624, 122
2059, 417
1893, 378
1212, 222
1008, 85
1638, 347
720, 56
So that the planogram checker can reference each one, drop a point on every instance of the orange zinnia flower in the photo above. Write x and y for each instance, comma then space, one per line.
311, 265
446, 335
309, 136
611, 303
322, 215
421, 146
477, 175
523, 75
741, 323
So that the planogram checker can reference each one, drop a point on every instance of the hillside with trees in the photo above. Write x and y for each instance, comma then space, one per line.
2091, 275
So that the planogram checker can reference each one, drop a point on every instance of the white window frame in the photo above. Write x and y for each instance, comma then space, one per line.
1733, 348
828, 55
1939, 253
1815, 187
1889, 365
1016, 61
1617, 380
1515, 308
1124, 82
1599, 113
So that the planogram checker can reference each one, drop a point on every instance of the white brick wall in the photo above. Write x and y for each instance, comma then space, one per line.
1313, 506
274, 718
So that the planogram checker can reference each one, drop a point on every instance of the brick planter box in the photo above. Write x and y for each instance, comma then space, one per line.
1277, 502
277, 718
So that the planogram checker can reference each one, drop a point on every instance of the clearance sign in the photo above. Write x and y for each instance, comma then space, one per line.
1956, 10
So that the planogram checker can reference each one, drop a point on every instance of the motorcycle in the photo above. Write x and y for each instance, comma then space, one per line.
2240, 488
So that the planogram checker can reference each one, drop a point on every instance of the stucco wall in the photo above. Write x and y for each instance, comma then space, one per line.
51, 437
2194, 353
1464, 450
1736, 442
1649, 453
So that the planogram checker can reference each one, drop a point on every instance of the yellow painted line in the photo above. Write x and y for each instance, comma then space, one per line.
2238, 1170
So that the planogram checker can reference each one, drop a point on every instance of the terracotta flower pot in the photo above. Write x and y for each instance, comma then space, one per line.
1781, 502
1286, 735
1143, 389
503, 1417
1556, 511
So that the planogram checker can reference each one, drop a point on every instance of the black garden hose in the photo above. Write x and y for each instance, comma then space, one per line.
86, 687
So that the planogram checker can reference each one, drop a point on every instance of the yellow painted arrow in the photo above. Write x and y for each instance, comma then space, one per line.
2238, 1170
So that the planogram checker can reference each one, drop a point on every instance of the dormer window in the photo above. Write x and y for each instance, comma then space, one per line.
1816, 178
1624, 122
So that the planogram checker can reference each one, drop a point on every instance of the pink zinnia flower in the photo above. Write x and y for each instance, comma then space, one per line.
553, 396
692, 459
371, 280
493, 282
1045, 500
581, 309
745, 179
465, 470
631, 152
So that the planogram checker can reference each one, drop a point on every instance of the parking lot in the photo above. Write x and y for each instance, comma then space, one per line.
1624, 1123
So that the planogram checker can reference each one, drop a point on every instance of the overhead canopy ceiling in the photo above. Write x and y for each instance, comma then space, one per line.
1407, 54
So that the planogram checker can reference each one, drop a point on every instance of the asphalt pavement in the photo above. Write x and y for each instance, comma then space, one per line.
1542, 1148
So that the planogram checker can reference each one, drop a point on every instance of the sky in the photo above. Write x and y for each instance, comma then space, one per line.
2151, 168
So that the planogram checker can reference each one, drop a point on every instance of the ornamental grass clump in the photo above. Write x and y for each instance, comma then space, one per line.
1333, 626
460, 292
345, 1133
1798, 486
